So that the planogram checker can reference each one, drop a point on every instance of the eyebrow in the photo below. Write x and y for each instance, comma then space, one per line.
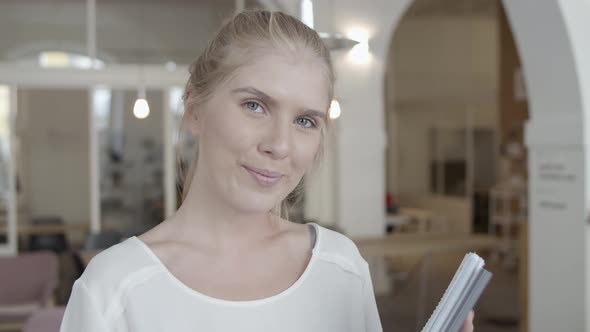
269, 100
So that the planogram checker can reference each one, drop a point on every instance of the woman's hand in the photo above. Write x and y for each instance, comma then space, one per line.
468, 323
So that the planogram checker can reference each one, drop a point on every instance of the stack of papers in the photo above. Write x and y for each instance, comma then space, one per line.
464, 290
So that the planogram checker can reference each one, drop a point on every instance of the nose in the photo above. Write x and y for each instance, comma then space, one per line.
276, 140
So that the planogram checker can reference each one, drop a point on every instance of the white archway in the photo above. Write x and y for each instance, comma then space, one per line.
551, 37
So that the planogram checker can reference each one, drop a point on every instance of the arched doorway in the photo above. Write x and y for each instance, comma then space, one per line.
455, 112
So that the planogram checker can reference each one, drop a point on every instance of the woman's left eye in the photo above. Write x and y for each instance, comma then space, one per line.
253, 106
305, 123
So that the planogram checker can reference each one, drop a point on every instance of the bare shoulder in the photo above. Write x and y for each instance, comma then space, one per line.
154, 235
160, 240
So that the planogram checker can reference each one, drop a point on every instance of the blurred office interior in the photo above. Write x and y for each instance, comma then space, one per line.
459, 127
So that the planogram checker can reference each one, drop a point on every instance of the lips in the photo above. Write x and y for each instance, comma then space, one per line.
264, 177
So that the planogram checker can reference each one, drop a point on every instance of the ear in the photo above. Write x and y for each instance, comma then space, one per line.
191, 119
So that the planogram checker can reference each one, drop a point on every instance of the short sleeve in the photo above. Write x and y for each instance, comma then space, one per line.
82, 312
372, 319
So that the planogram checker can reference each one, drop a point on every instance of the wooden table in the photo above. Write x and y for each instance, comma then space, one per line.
30, 229
24, 231
424, 219
396, 245
11, 327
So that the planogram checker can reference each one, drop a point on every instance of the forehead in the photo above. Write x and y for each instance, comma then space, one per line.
286, 79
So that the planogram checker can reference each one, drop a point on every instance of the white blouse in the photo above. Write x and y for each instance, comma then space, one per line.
127, 288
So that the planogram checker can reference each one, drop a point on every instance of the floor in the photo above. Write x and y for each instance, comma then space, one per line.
496, 310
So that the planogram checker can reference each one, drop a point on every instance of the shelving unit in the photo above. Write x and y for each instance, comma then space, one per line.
508, 211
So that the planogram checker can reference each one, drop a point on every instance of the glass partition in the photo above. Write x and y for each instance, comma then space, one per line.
130, 148
157, 32
52, 166
29, 27
7, 190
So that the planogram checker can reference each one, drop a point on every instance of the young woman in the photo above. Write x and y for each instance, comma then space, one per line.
257, 102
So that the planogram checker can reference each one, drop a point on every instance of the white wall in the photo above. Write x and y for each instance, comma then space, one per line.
360, 145
54, 167
320, 185
441, 68
442, 73
413, 142
444, 56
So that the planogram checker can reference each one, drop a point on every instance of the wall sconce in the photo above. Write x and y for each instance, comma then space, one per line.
360, 52
333, 41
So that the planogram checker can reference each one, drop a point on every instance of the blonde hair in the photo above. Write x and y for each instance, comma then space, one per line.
240, 39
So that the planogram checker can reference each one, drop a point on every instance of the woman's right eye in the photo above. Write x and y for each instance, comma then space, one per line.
253, 106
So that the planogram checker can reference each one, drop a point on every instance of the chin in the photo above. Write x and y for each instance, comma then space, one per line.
256, 202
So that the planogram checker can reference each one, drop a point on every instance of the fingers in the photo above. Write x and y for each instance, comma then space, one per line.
470, 316
468, 323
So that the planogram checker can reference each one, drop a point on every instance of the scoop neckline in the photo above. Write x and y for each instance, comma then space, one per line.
220, 301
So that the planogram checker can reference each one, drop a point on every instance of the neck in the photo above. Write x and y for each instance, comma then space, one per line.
208, 219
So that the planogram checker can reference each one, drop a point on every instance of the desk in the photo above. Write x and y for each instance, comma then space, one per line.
406, 215
24, 231
397, 220
29, 229
11, 327
424, 245
396, 245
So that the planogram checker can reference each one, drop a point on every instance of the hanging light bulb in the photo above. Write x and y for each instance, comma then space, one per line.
141, 109
334, 109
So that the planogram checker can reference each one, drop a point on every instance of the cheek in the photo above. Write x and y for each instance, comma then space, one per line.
225, 137
304, 153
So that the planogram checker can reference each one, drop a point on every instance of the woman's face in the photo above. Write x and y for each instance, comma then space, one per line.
260, 132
